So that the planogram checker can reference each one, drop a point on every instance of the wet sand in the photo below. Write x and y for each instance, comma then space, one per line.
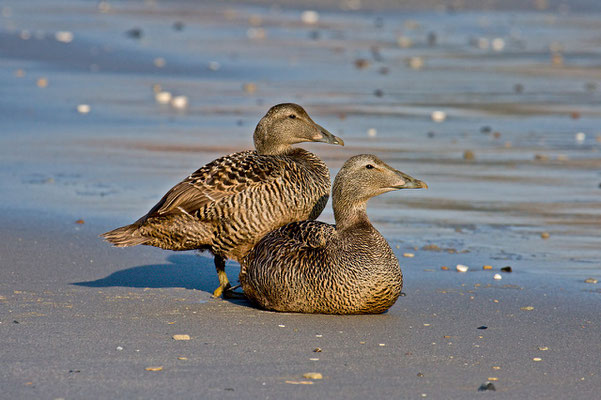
91, 318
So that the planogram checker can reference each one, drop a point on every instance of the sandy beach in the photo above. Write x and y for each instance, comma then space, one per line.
496, 108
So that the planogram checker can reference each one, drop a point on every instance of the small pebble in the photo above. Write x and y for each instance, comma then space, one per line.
182, 358
42, 82
493, 379
545, 235
256, 33
317, 350
462, 268
527, 308
312, 375
404, 42
543, 348
162, 97
506, 269
214, 66
19, 73
159, 62
415, 63
178, 26
179, 102
181, 337
361, 63
300, 382
482, 327
408, 255
83, 108
575, 115
154, 368
487, 267
282, 326
378, 93
444, 268
119, 348
468, 155
249, 87
381, 344
438, 116
537, 359
372, 132
590, 280
580, 137
497, 277
420, 375
80, 222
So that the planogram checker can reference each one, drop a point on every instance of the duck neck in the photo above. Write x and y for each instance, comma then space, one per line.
265, 146
350, 216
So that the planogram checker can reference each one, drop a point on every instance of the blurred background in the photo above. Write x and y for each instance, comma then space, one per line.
104, 105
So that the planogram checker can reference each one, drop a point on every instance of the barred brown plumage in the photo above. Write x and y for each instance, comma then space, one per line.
347, 268
230, 203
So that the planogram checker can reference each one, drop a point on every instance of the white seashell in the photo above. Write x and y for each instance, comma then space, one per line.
497, 277
462, 268
64, 36
438, 116
83, 108
310, 17
179, 102
372, 132
163, 97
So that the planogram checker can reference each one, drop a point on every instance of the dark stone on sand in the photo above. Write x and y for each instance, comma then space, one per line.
518, 88
432, 39
178, 26
487, 386
486, 129
15, 322
431, 134
482, 327
378, 93
506, 269
135, 33
420, 375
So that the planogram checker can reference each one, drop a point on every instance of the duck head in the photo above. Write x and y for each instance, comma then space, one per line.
287, 124
365, 176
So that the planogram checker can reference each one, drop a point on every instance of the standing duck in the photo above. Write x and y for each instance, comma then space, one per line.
231, 203
347, 268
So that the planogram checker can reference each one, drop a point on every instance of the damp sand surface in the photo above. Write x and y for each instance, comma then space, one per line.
497, 110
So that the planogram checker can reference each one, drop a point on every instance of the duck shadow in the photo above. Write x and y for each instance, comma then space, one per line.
186, 271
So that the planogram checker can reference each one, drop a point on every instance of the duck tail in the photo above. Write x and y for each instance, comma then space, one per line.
125, 236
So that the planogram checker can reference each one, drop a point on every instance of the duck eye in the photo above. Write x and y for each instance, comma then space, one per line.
292, 116
369, 166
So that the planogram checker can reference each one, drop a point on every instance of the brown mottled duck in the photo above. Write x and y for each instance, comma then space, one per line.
347, 268
231, 203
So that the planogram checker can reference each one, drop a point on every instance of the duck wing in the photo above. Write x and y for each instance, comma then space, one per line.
221, 178
307, 234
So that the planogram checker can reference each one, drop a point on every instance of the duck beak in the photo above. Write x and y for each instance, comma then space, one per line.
408, 182
326, 137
